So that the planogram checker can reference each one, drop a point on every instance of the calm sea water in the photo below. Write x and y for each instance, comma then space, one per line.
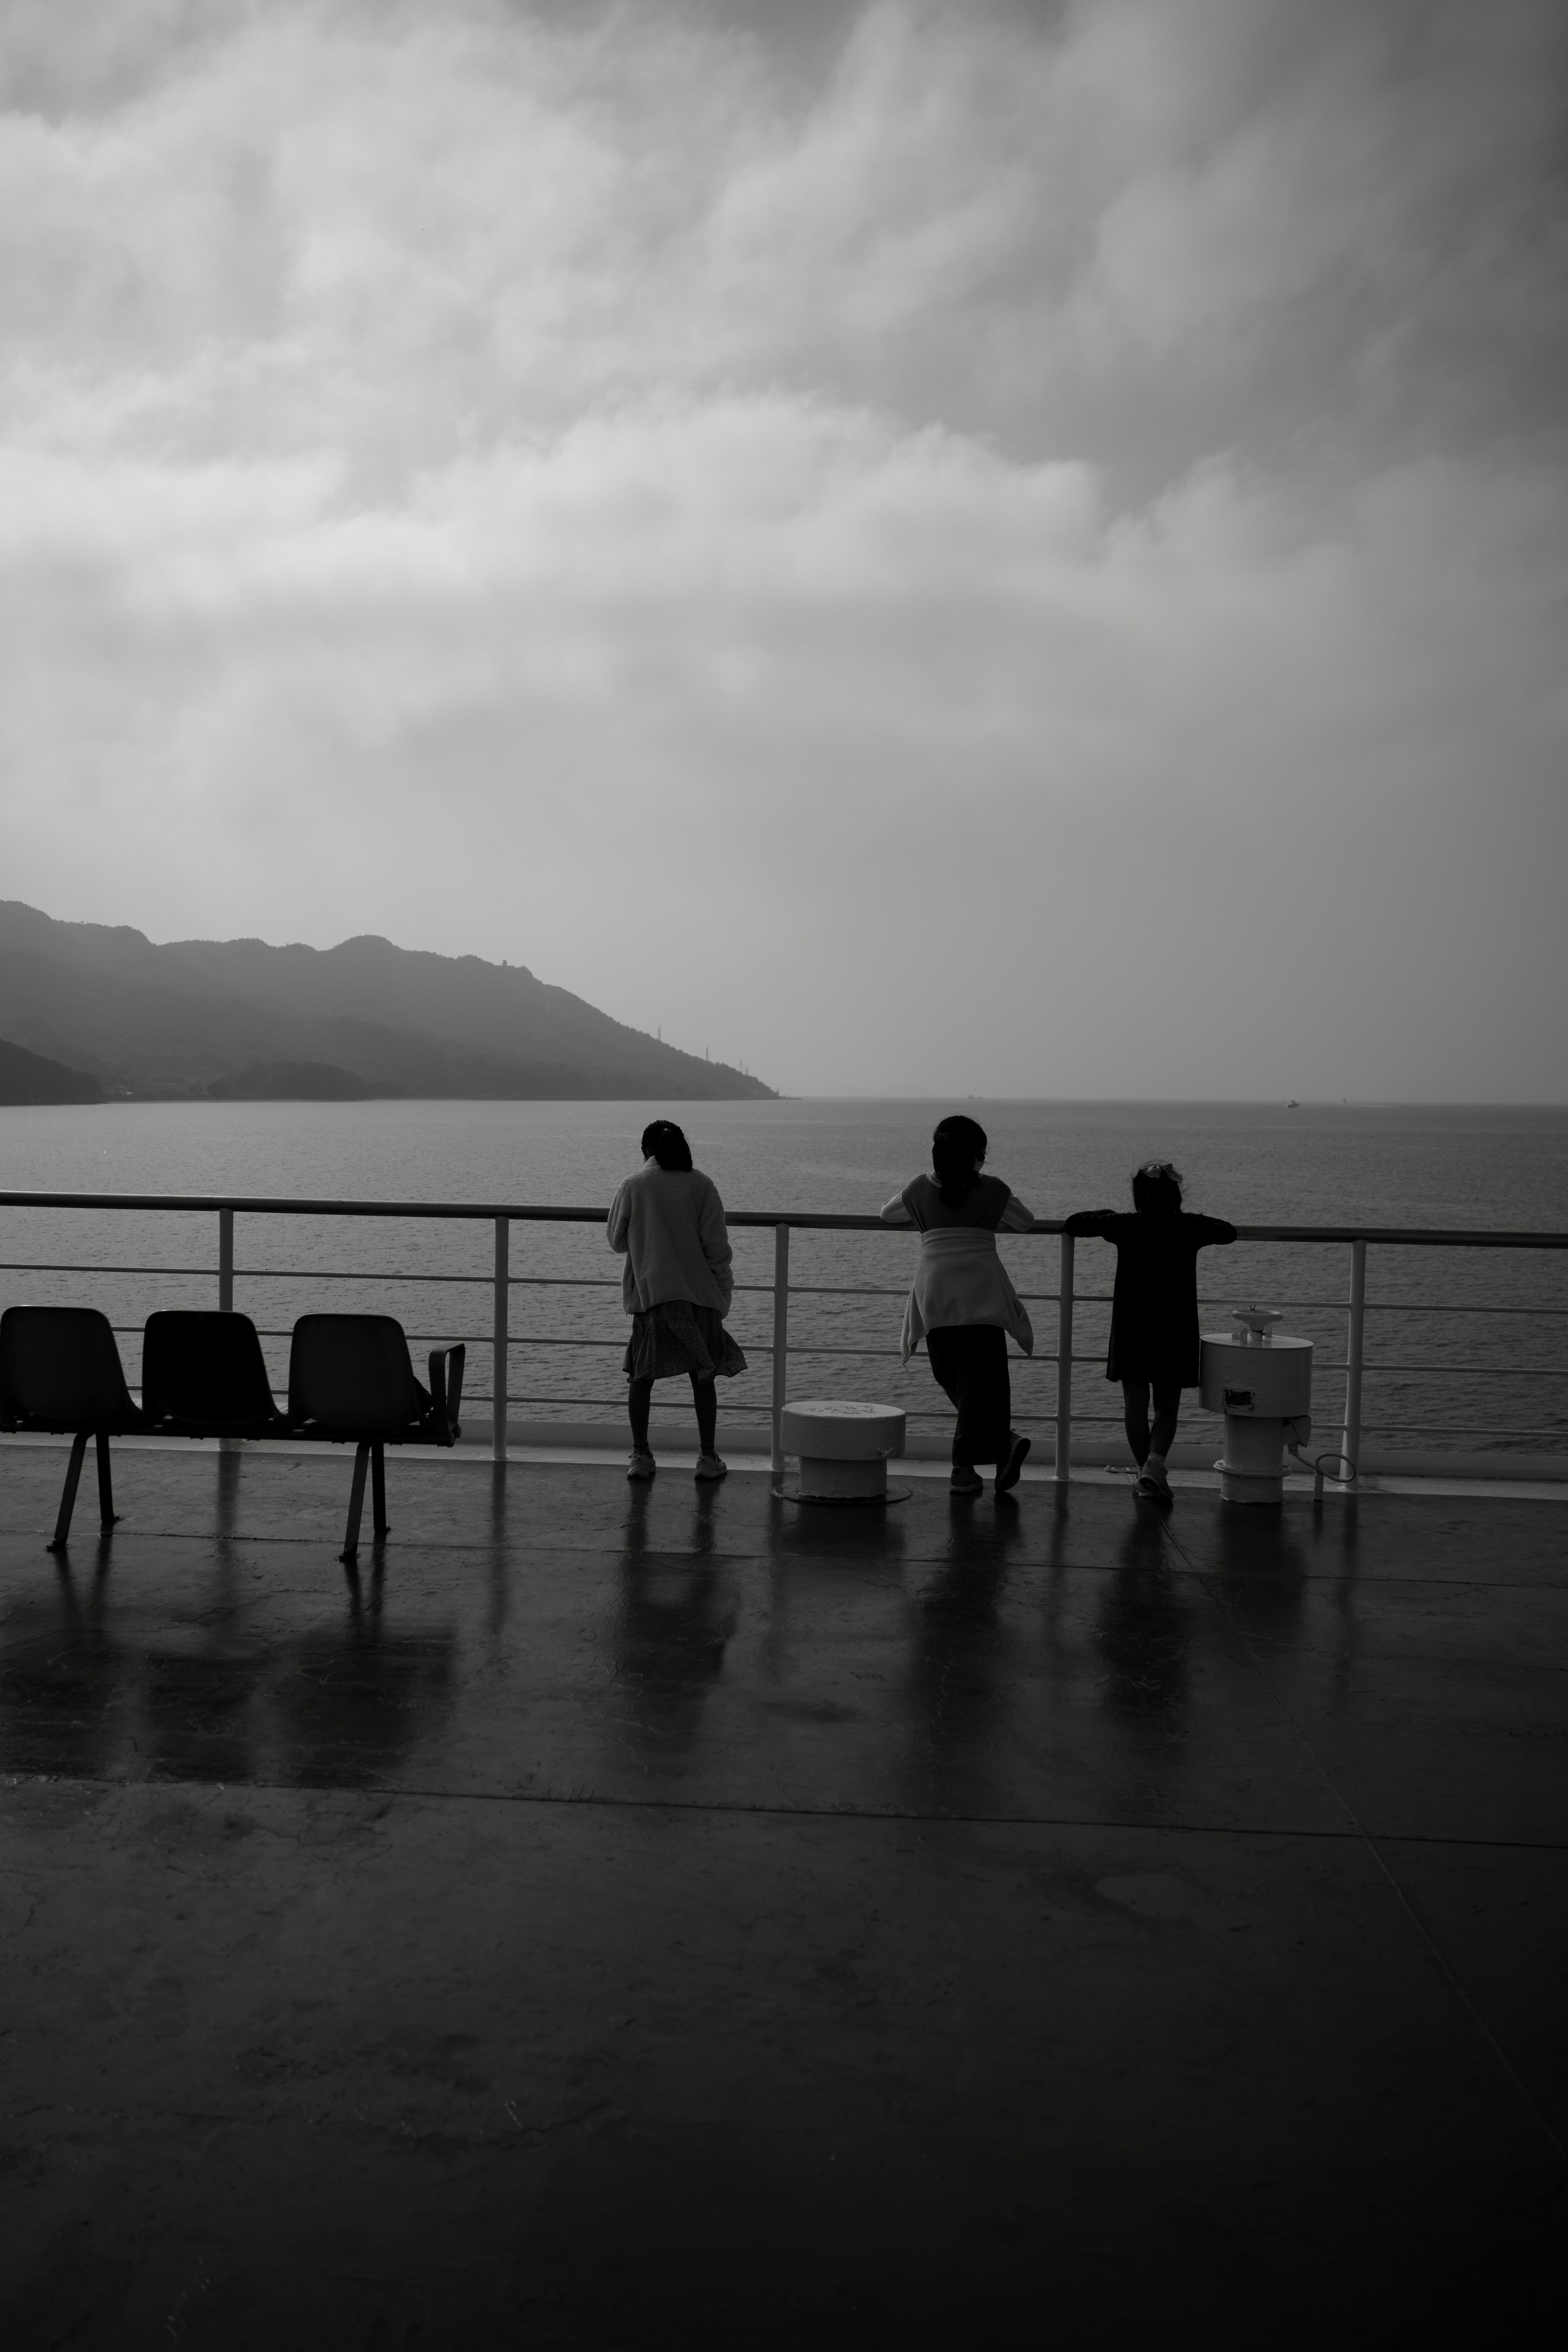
1451, 1351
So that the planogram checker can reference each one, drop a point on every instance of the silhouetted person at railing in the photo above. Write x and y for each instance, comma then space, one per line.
1154, 1342
961, 1303
668, 1222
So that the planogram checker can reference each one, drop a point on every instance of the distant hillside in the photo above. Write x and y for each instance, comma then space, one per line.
202, 1015
33, 1078
296, 1082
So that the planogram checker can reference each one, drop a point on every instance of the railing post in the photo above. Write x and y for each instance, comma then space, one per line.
225, 1261
1064, 1365
1354, 1353
500, 1336
781, 1340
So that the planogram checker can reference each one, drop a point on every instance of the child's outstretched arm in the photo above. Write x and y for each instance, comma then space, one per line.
1214, 1232
1096, 1223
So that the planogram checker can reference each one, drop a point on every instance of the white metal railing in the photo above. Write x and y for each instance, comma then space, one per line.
1066, 1298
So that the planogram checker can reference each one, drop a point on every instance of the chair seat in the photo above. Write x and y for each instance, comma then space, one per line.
60, 1372
351, 1382
204, 1375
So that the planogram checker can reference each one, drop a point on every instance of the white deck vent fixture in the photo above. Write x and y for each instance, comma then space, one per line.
843, 1448
1261, 1381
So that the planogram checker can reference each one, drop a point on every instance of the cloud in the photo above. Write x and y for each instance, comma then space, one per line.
702, 509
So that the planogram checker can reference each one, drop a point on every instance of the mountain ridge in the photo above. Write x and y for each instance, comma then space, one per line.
179, 1017
28, 1079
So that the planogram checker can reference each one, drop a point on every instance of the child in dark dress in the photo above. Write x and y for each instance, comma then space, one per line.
1154, 1342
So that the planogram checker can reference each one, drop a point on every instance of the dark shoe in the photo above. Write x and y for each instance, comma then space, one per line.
1152, 1490
1012, 1470
642, 1463
965, 1479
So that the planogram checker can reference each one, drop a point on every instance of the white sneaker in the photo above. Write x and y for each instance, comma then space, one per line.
642, 1463
711, 1465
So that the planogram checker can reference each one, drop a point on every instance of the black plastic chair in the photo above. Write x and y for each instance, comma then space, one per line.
351, 1382
203, 1375
60, 1371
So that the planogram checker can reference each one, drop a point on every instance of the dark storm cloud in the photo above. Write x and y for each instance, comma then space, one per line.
785, 459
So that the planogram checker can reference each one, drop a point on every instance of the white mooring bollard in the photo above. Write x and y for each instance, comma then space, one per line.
843, 1448
1263, 1385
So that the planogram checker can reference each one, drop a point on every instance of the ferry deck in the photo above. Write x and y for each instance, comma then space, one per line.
619, 1914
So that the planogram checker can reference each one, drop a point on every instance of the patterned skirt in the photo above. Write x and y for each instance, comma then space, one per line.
679, 1338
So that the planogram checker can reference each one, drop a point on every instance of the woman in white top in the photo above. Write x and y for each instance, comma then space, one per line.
668, 1222
962, 1301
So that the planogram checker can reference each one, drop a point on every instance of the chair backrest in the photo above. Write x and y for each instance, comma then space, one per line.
205, 1367
59, 1367
352, 1372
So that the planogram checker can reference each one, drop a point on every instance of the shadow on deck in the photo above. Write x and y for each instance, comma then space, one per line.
622, 1914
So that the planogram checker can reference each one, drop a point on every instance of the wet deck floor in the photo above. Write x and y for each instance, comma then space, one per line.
626, 1915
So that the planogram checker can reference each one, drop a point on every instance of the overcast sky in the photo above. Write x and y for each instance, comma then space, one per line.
994, 548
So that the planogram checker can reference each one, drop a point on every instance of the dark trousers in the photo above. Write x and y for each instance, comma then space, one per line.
969, 1360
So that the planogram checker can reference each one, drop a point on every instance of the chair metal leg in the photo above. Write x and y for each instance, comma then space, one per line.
67, 1493
106, 1510
356, 1502
378, 1489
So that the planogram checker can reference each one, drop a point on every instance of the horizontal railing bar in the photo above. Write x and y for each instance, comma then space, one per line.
484, 1282
1415, 1307
761, 1289
551, 1339
804, 1221
1492, 1372
1525, 1440
584, 1281
891, 1355
837, 1290
51, 1265
617, 1405
326, 1274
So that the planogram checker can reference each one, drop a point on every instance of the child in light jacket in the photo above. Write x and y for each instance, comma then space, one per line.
668, 1222
962, 1302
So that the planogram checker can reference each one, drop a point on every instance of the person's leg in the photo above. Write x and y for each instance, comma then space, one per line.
705, 1397
639, 1399
990, 1394
1167, 1409
1011, 1448
1135, 1418
985, 1387
946, 1350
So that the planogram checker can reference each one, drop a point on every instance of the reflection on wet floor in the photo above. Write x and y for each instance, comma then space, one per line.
351, 1703
60, 1672
544, 1631
214, 1695
1145, 1632
958, 1682
197, 1712
652, 1904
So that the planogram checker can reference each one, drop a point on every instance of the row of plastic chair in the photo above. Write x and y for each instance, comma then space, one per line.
351, 1383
